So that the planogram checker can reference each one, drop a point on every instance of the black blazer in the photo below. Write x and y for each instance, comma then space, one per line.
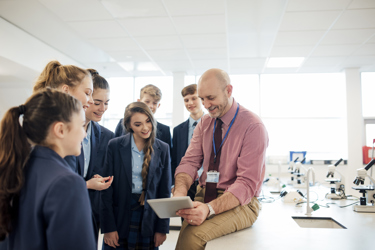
53, 206
180, 145
115, 201
163, 133
100, 137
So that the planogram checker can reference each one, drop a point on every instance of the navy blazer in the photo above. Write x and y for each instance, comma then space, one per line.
163, 133
180, 145
53, 206
100, 137
115, 201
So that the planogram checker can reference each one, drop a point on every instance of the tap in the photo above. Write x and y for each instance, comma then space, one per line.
308, 208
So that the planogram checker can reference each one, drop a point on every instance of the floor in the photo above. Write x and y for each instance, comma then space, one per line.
169, 244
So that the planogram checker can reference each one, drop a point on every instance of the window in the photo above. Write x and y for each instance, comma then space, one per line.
305, 112
368, 109
302, 112
246, 91
122, 93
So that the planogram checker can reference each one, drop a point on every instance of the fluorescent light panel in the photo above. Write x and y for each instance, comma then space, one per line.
128, 66
285, 62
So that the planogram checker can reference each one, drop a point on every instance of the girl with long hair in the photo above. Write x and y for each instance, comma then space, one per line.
141, 168
91, 162
43, 204
78, 83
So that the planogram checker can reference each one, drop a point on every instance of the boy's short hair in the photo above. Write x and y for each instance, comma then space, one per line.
189, 90
153, 91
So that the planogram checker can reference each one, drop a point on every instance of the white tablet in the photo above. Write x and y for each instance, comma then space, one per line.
167, 207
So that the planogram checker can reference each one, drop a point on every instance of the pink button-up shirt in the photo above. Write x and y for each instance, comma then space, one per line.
242, 160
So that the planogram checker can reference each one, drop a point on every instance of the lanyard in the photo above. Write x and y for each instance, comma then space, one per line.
213, 134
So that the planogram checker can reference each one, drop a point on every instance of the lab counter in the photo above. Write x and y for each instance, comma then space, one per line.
276, 229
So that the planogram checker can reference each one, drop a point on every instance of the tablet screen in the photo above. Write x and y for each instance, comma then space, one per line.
167, 207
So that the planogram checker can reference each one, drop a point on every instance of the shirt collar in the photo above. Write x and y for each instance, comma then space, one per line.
227, 118
134, 147
191, 121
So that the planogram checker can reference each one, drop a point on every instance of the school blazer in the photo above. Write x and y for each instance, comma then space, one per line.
115, 201
180, 145
53, 206
100, 137
163, 133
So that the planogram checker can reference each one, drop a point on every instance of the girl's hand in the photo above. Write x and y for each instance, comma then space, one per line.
159, 238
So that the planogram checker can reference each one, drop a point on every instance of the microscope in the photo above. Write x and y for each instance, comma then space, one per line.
291, 170
337, 185
299, 176
367, 200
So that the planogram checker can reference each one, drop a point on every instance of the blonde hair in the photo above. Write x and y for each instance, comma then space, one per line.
131, 109
55, 74
153, 91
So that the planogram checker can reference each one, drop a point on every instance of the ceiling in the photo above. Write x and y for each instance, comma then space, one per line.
159, 37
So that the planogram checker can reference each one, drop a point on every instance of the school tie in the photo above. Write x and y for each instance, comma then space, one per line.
211, 192
194, 125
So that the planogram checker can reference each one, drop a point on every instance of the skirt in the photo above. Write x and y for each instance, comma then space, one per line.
135, 241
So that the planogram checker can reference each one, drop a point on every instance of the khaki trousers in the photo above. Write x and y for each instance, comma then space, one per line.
196, 237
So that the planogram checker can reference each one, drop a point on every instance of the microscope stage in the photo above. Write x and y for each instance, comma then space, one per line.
364, 188
333, 180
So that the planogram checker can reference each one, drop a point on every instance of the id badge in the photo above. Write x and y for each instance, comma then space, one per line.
213, 177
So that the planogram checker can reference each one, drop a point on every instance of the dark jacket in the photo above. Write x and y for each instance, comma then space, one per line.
180, 144
115, 201
53, 206
100, 137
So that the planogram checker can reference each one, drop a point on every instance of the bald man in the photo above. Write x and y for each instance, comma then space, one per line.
233, 170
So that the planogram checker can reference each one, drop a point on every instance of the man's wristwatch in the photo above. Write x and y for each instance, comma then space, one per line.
211, 214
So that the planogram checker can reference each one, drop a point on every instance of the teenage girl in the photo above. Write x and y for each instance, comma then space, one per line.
141, 168
95, 143
43, 204
78, 83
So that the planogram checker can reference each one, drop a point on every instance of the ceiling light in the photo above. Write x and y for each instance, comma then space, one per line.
128, 66
285, 62
147, 66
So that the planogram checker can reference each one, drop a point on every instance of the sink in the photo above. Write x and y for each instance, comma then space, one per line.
317, 222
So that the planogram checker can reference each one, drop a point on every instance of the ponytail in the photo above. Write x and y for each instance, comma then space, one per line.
14, 153
39, 112
55, 75
98, 81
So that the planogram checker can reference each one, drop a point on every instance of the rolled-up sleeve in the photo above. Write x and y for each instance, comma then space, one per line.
192, 161
250, 164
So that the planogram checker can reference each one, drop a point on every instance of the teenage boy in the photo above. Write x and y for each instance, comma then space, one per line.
151, 96
183, 133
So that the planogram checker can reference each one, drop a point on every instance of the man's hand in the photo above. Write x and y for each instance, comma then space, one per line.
194, 216
111, 239
99, 183
159, 238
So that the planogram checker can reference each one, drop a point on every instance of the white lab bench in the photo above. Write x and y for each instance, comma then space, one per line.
276, 229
